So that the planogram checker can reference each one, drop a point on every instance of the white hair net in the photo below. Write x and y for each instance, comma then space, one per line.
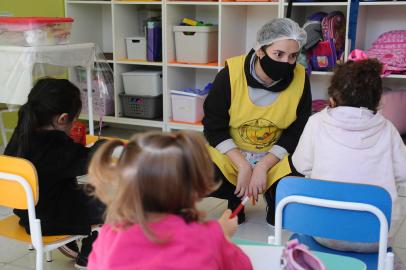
280, 29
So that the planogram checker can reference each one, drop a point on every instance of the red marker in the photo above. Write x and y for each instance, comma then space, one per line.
240, 207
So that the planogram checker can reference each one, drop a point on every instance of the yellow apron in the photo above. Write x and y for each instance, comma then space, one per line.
256, 128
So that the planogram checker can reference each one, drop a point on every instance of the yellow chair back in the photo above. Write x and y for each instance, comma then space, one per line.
12, 194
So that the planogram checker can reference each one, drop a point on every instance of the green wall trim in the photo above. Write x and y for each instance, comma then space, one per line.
33, 8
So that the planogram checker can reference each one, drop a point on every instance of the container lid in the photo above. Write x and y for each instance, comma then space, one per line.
135, 38
152, 24
26, 20
183, 93
182, 28
142, 72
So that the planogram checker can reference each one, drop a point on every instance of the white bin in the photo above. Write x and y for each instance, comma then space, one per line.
187, 107
136, 48
196, 44
143, 82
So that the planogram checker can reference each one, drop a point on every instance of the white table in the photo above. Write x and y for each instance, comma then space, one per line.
17, 63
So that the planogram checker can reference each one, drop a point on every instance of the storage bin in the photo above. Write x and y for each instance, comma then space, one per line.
136, 48
187, 107
34, 31
141, 106
143, 82
196, 44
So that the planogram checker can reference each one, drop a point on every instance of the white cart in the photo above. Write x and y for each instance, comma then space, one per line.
16, 71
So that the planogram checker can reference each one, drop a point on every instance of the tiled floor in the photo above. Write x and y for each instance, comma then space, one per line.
16, 256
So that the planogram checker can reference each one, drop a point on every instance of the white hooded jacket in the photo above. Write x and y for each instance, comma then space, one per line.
353, 145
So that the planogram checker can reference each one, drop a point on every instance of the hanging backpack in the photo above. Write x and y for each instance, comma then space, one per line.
333, 27
325, 54
390, 49
313, 30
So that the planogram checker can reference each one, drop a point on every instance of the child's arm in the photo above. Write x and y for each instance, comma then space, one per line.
302, 158
72, 159
399, 156
228, 225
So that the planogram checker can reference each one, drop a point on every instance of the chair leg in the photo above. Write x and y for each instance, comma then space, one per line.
389, 261
39, 260
48, 255
3, 130
271, 240
30, 247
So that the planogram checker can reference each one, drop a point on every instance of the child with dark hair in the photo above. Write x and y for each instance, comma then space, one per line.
350, 141
42, 137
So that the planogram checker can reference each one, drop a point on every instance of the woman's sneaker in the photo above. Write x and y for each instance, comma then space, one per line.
81, 259
270, 209
70, 250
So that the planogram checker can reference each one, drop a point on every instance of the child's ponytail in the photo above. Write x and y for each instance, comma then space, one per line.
27, 122
156, 173
103, 171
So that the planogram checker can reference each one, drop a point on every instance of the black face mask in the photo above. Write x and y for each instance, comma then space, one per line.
276, 70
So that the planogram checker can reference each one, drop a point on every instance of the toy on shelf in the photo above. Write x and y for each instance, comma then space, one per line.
191, 22
154, 39
194, 91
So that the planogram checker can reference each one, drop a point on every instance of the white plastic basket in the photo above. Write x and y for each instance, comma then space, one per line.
143, 82
187, 107
136, 48
196, 44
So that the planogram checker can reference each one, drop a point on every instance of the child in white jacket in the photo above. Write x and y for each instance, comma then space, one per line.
350, 141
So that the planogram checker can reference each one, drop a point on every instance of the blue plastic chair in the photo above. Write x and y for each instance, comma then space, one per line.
342, 211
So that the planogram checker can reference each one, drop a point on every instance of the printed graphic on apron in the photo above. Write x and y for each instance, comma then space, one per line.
259, 132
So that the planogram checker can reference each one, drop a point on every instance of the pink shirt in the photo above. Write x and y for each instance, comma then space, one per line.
190, 246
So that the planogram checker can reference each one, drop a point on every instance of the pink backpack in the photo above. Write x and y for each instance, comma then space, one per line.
297, 256
333, 28
329, 51
390, 49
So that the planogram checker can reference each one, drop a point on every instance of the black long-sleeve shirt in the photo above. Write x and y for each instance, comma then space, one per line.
218, 102
63, 206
